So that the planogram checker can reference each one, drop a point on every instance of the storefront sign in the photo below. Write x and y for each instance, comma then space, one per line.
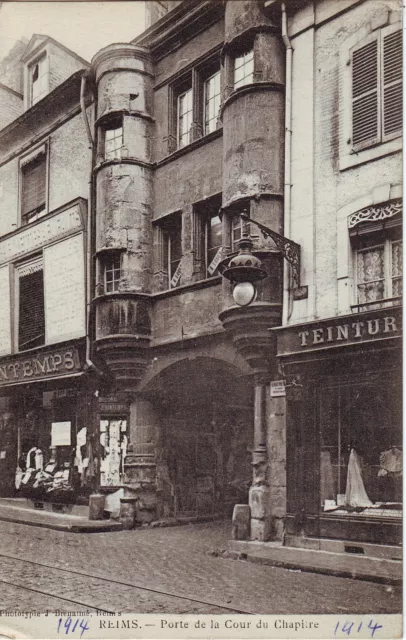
278, 389
38, 235
336, 332
39, 367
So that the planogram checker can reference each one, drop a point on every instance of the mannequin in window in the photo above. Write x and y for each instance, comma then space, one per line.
355, 494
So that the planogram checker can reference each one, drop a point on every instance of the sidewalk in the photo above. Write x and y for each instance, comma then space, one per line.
334, 563
19, 512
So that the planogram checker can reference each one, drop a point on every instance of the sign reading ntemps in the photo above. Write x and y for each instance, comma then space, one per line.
39, 367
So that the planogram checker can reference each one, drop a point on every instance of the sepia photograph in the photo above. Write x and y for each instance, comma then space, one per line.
200, 319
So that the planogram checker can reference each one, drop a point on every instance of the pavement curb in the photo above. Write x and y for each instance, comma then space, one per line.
70, 527
322, 562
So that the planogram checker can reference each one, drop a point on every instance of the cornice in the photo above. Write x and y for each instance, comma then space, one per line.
35, 115
251, 88
118, 50
180, 25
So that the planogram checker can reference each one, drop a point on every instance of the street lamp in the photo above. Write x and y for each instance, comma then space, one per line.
245, 269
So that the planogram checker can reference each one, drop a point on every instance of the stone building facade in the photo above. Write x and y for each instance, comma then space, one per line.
287, 113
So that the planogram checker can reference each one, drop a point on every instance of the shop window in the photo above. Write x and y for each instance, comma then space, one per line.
113, 449
361, 448
113, 140
33, 188
377, 88
111, 272
38, 77
31, 314
378, 267
169, 233
244, 69
212, 100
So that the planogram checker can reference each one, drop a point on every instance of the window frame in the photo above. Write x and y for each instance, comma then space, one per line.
194, 80
112, 123
187, 114
246, 78
112, 256
18, 268
205, 103
24, 162
374, 237
41, 59
165, 228
351, 155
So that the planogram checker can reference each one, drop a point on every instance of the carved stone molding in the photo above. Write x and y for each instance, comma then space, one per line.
375, 213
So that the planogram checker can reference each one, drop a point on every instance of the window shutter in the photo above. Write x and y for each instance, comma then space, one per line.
365, 94
31, 325
392, 83
33, 185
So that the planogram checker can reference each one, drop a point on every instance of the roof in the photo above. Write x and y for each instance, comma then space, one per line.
39, 39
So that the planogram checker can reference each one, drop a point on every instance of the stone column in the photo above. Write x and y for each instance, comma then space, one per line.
140, 463
259, 495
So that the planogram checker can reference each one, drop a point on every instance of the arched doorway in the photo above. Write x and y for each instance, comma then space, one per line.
204, 410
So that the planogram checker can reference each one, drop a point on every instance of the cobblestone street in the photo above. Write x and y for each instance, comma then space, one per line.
184, 562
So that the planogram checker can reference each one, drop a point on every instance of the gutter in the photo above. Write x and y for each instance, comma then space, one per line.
89, 365
288, 300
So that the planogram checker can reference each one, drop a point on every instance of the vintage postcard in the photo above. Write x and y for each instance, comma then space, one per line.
201, 319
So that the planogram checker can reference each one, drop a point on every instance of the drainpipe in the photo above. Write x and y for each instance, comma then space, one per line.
89, 364
288, 300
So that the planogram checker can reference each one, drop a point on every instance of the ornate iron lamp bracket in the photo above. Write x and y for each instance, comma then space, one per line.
289, 249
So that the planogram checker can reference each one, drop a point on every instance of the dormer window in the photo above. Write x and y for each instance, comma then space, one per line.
38, 71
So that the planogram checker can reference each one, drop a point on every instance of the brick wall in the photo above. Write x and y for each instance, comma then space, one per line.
11, 106
61, 66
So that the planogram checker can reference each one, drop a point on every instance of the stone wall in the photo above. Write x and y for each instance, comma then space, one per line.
320, 188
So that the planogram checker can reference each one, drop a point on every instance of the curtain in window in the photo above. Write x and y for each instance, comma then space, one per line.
397, 268
370, 275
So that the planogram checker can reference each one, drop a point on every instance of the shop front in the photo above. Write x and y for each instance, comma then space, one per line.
344, 427
48, 451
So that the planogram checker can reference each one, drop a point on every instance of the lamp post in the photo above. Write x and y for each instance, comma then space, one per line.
244, 269
249, 329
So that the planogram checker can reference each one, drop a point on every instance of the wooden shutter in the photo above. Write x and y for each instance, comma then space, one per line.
33, 185
365, 94
31, 325
392, 82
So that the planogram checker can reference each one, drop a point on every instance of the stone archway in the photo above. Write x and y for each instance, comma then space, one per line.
203, 409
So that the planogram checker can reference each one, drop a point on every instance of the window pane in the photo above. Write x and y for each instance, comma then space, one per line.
184, 117
212, 102
244, 69
397, 258
112, 273
113, 142
214, 242
370, 274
